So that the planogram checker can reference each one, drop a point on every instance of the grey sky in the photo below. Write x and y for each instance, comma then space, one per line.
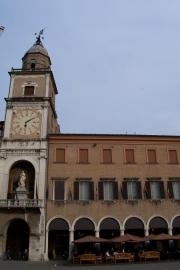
116, 62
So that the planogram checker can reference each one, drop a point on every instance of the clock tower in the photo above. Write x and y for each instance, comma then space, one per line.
30, 116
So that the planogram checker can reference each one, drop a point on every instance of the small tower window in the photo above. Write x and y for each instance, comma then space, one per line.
29, 91
33, 66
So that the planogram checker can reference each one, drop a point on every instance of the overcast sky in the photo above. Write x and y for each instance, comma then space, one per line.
116, 62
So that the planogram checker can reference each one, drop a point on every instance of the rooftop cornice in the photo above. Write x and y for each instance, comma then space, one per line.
130, 138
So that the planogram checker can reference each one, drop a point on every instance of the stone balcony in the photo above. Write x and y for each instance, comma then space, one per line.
15, 203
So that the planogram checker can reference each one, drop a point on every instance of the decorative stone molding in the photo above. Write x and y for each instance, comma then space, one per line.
3, 155
9, 106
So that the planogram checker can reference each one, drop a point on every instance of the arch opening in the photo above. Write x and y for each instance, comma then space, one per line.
134, 226
176, 226
109, 228
58, 244
159, 225
17, 241
82, 228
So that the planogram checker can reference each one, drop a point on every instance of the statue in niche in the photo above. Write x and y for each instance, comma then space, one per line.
21, 189
22, 181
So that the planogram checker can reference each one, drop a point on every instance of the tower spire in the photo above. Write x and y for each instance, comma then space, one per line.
37, 56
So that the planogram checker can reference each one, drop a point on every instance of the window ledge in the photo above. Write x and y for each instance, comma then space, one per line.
83, 163
107, 163
82, 202
173, 163
176, 200
108, 202
58, 202
132, 201
152, 163
127, 163
156, 201
57, 162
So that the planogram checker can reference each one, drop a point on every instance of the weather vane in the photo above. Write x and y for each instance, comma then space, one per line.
1, 29
39, 35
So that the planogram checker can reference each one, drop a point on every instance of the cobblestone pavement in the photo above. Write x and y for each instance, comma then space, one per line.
12, 265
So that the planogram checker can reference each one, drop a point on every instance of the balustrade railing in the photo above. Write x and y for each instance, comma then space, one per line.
14, 203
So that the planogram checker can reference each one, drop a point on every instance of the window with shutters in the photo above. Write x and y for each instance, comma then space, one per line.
29, 90
83, 155
173, 157
108, 190
131, 189
60, 155
107, 155
174, 188
83, 190
130, 156
154, 190
58, 192
151, 156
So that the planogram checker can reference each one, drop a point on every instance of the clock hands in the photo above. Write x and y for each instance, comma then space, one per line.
25, 124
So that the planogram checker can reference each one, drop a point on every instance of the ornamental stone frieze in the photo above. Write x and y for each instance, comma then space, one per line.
21, 144
3, 155
25, 152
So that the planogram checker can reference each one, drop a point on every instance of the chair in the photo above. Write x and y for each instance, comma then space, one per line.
98, 259
76, 260
109, 259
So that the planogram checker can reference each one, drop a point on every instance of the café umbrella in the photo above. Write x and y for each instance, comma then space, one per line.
127, 238
90, 239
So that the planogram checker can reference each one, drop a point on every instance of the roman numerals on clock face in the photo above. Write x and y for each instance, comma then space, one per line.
25, 122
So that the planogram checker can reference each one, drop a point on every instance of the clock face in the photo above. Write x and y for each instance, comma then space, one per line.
26, 122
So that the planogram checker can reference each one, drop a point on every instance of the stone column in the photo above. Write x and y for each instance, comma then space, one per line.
146, 232
97, 245
97, 233
1, 247
8, 121
11, 86
46, 246
122, 232
4, 180
42, 174
47, 85
71, 244
34, 245
170, 231
44, 121
170, 242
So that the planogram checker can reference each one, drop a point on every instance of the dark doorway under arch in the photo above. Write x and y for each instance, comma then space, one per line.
134, 226
158, 225
109, 228
17, 242
58, 247
83, 227
176, 225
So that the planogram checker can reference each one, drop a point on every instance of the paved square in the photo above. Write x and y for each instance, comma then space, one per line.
13, 265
